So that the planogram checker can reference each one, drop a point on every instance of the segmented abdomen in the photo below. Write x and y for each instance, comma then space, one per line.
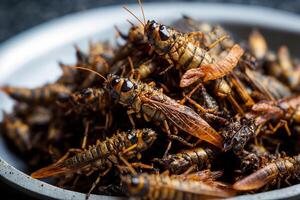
185, 55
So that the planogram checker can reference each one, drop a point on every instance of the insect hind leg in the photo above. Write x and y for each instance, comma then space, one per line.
96, 182
215, 43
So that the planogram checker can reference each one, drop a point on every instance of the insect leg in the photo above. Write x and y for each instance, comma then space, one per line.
215, 43
280, 124
167, 69
141, 165
182, 101
108, 120
87, 125
189, 170
97, 182
175, 137
129, 113
129, 166
286, 180
194, 103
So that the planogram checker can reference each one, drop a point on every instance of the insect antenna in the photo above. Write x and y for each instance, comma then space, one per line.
142, 9
130, 22
134, 15
89, 70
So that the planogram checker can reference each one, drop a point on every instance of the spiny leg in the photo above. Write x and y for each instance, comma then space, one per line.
219, 40
198, 106
182, 101
97, 182
84, 141
129, 113
280, 124
173, 137
129, 166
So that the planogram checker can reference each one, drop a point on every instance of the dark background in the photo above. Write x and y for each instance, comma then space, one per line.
17, 16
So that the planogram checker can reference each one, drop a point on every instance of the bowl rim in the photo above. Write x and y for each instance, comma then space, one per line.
44, 34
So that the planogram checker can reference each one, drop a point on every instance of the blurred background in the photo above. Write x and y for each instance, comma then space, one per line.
17, 16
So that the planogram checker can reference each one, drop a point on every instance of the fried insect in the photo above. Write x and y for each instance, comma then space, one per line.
283, 111
18, 132
42, 95
127, 144
90, 100
287, 167
289, 72
257, 44
268, 86
198, 158
151, 186
215, 70
144, 99
237, 134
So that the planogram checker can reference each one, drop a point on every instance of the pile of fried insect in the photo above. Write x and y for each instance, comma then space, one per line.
175, 112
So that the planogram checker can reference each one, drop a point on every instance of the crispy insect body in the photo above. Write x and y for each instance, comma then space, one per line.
182, 161
279, 168
253, 159
290, 74
223, 90
154, 105
42, 95
268, 85
90, 100
145, 69
237, 134
135, 40
257, 44
102, 152
177, 48
285, 109
214, 70
18, 132
152, 186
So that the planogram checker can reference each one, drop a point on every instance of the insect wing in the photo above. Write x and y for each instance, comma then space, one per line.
186, 119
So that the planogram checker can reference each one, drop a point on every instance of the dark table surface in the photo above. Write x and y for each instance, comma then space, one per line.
17, 16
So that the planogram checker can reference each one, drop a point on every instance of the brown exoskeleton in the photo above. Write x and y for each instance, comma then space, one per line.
47, 94
144, 99
237, 134
257, 44
151, 103
179, 49
198, 158
159, 186
213, 71
90, 100
273, 172
17, 131
282, 111
102, 156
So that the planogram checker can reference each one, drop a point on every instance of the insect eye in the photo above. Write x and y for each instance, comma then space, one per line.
153, 25
132, 139
127, 85
163, 33
115, 81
